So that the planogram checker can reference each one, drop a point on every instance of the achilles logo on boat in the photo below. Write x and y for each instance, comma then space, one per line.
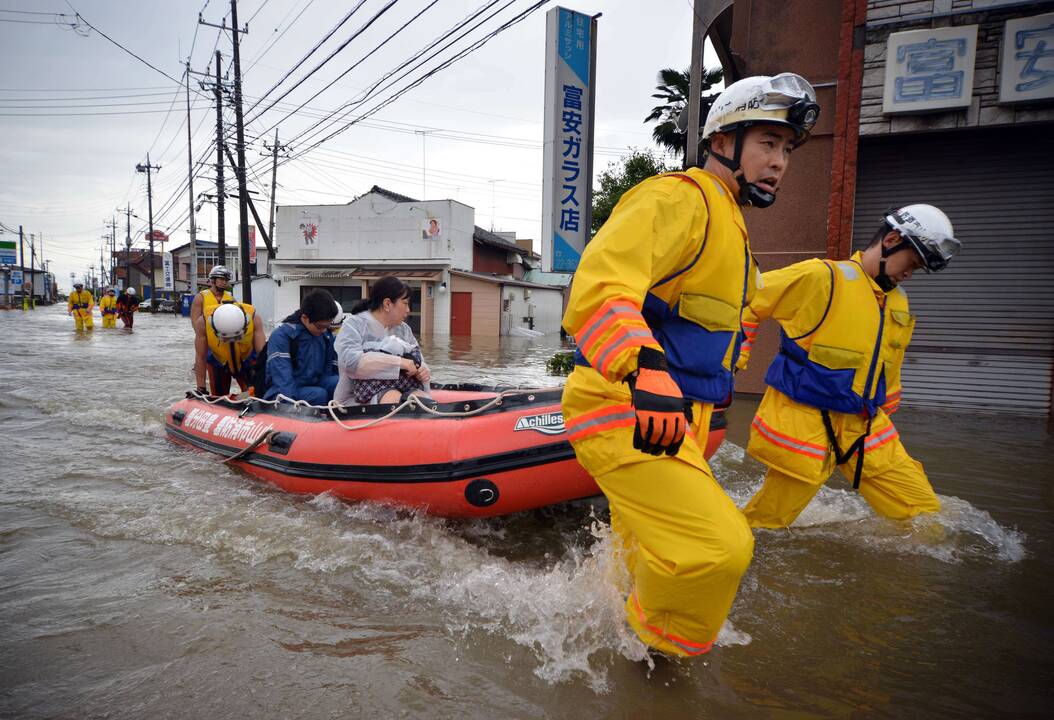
545, 423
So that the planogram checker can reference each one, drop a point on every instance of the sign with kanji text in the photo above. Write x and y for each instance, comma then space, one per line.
1026, 72
16, 278
168, 271
567, 186
928, 70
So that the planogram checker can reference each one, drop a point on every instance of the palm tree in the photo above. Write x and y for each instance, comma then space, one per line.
674, 87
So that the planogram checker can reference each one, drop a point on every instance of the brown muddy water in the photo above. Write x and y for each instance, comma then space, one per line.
144, 580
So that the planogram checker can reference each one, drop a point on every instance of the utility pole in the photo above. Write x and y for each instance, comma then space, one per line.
221, 192
22, 264
190, 180
32, 270
243, 208
102, 264
274, 182
128, 247
112, 237
424, 137
150, 208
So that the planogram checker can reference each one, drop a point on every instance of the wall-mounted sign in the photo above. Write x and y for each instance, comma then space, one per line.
431, 228
929, 70
168, 271
1027, 69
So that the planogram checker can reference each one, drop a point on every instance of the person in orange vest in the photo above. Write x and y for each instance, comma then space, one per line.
79, 306
655, 308
108, 308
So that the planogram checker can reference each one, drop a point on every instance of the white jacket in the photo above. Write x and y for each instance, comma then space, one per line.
367, 350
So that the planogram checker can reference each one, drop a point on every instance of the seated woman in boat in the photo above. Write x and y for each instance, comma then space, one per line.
379, 358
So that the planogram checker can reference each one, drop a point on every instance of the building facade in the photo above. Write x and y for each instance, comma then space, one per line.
464, 280
947, 102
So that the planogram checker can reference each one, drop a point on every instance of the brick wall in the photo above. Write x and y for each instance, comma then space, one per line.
889, 16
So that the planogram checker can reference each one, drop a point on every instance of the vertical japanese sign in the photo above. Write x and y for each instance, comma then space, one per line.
168, 271
1027, 69
252, 245
929, 69
570, 66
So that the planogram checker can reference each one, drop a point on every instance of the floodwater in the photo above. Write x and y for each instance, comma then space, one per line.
145, 580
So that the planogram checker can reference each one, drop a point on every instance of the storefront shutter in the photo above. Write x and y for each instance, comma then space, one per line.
985, 333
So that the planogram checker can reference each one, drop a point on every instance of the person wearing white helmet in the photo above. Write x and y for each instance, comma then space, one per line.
844, 327
79, 305
127, 304
234, 338
655, 308
217, 292
301, 357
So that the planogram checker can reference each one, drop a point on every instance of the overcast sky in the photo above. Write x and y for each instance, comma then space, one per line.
78, 113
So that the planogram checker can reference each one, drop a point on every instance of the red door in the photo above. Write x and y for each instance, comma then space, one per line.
460, 313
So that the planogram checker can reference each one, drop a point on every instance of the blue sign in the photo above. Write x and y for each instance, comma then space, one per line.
16, 277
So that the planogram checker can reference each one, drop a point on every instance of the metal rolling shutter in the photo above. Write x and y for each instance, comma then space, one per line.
985, 333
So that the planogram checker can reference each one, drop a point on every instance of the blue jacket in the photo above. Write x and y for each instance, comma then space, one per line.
313, 377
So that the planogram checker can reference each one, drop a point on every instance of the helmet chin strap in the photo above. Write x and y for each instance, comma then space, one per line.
882, 280
749, 193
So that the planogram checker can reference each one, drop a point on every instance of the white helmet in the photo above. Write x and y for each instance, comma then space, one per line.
338, 319
220, 271
130, 291
785, 99
229, 321
929, 231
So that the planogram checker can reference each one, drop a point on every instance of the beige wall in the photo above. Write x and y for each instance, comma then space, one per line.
486, 304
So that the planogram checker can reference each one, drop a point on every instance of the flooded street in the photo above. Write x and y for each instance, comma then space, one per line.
145, 580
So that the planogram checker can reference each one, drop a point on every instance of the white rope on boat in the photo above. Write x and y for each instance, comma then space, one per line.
332, 407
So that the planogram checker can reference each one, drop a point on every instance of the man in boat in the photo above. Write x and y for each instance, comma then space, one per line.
234, 339
844, 327
655, 308
301, 359
79, 305
217, 292
108, 308
127, 305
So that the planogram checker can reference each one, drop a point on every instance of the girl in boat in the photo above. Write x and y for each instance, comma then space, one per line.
379, 358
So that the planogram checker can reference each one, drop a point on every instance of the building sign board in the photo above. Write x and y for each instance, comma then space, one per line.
16, 279
928, 70
8, 252
1027, 69
570, 64
168, 271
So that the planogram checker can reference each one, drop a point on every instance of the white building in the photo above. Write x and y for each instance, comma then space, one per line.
465, 280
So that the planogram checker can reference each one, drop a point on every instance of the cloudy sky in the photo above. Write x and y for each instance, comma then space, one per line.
77, 113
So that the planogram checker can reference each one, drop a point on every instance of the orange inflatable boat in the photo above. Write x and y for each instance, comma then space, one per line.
474, 452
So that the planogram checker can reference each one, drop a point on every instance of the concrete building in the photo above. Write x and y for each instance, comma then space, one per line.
959, 114
465, 280
208, 257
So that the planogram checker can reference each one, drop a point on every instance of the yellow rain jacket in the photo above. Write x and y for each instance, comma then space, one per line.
80, 303
208, 299
108, 309
842, 343
670, 269
234, 356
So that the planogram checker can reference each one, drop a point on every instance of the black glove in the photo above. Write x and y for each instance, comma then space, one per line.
662, 418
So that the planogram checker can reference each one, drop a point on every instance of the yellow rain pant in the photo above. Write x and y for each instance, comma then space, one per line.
83, 319
900, 491
109, 320
688, 548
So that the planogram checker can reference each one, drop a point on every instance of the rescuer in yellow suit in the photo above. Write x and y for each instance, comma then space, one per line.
217, 292
655, 308
844, 327
79, 306
235, 338
108, 308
